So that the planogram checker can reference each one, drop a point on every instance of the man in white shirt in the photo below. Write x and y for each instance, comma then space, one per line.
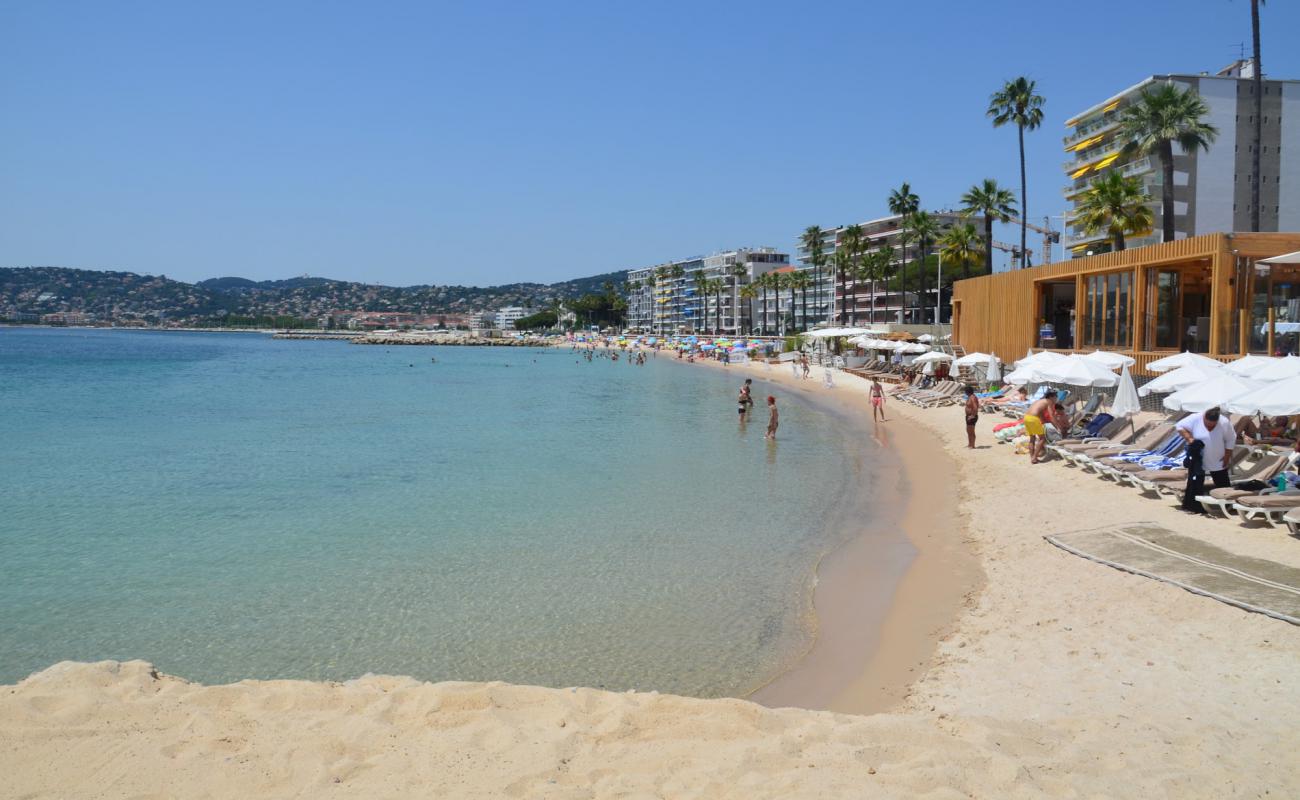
1209, 445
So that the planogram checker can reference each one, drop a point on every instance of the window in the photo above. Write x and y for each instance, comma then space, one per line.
1107, 320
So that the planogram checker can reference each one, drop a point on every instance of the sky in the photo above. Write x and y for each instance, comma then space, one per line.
490, 142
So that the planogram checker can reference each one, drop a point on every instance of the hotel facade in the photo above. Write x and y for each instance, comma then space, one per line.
665, 299
1211, 187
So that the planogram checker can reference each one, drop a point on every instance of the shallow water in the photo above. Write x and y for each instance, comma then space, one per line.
229, 506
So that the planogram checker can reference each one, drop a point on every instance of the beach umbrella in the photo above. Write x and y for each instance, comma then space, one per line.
925, 337
1040, 359
1219, 389
1280, 369
1126, 402
972, 360
914, 348
1248, 365
1275, 399
1181, 360
993, 372
1177, 378
928, 369
1022, 375
1110, 360
1078, 371
930, 358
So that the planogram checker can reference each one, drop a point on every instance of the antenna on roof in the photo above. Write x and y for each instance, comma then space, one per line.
1241, 51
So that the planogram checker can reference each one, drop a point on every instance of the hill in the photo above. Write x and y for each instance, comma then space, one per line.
125, 296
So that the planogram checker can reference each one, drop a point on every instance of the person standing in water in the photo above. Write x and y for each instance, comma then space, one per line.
972, 416
773, 419
877, 400
746, 398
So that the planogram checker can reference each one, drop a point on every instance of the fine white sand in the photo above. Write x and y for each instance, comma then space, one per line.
1059, 678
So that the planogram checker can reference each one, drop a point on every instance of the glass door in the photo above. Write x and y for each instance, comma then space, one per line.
1165, 298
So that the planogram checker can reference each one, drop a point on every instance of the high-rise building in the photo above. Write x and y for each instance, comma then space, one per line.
1211, 187
851, 301
666, 299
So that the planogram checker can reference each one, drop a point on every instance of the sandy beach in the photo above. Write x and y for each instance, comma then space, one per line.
1009, 668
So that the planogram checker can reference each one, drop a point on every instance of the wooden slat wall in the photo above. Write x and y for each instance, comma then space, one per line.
997, 313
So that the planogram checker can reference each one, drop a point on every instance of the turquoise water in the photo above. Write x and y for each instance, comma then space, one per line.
229, 506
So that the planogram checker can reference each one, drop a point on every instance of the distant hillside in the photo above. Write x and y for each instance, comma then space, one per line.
127, 296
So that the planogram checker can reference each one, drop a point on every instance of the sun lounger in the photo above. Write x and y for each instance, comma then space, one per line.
1169, 480
1270, 507
1292, 520
1151, 437
1113, 466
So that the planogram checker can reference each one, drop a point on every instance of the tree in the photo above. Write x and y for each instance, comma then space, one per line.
1152, 124
1018, 102
861, 271
747, 292
701, 292
764, 283
1117, 205
925, 230
737, 271
678, 272
812, 242
994, 204
542, 319
850, 247
651, 281
1258, 83
904, 202
960, 247
801, 280
880, 268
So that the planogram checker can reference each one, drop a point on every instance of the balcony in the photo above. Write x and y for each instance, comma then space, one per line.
1105, 123
1092, 154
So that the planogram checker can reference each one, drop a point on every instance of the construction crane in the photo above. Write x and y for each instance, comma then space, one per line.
1050, 237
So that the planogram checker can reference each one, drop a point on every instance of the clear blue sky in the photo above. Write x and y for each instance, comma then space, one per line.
487, 142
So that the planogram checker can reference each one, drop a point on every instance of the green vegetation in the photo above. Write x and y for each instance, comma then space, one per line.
1117, 205
542, 319
994, 204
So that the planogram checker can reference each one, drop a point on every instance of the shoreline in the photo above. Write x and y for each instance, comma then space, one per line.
850, 667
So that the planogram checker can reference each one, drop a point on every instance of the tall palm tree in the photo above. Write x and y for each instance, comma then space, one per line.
812, 242
924, 229
904, 202
717, 286
802, 281
652, 280
737, 271
861, 271
764, 282
701, 294
1018, 102
852, 242
1258, 82
961, 247
1117, 205
1152, 124
994, 204
747, 293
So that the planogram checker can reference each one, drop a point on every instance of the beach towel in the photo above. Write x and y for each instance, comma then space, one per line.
1098, 422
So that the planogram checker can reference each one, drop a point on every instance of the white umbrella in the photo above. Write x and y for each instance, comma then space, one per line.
1181, 360
1285, 258
1247, 366
932, 357
928, 369
910, 347
825, 333
1110, 360
1280, 369
1175, 379
1221, 388
994, 371
972, 360
1078, 371
1276, 399
1040, 359
1126, 397
925, 337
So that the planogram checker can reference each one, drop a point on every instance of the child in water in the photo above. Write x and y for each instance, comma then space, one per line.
773, 418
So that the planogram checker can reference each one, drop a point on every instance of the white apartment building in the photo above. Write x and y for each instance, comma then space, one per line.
1211, 187
505, 317
666, 299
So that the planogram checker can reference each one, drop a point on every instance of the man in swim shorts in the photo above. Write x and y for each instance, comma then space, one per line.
1034, 426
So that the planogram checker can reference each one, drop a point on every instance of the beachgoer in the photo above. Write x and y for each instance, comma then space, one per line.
1209, 444
877, 400
746, 398
1034, 425
972, 416
803, 361
773, 419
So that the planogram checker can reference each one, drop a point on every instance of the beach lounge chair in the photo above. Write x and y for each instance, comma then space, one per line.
1269, 507
1171, 479
1224, 500
1151, 437
1292, 520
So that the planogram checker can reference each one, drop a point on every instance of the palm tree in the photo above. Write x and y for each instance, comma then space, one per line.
737, 271
904, 202
846, 255
861, 275
812, 242
701, 293
882, 268
764, 282
961, 247
1258, 82
801, 280
924, 230
994, 204
1117, 205
1018, 102
1154, 122
651, 281
747, 292
677, 272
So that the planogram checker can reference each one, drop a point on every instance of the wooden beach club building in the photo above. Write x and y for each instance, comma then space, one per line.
1207, 294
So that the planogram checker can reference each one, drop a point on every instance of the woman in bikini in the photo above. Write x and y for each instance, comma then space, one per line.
877, 400
972, 416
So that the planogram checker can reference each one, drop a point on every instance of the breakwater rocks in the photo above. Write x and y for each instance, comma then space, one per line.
454, 340
348, 336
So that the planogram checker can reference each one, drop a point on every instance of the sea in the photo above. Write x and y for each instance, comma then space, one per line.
231, 506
